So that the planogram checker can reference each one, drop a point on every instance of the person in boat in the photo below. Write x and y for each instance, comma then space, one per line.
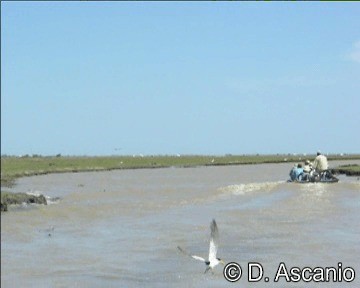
307, 171
320, 163
292, 173
308, 167
296, 172
321, 166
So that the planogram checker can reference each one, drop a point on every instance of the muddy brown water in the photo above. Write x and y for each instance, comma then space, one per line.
122, 228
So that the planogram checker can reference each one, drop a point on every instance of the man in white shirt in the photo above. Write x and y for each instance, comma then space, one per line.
320, 162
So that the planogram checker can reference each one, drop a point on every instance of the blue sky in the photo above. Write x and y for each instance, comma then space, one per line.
103, 78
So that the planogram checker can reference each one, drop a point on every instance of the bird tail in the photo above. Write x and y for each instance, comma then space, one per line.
207, 269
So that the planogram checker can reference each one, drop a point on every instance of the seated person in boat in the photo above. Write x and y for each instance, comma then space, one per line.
292, 173
308, 171
296, 172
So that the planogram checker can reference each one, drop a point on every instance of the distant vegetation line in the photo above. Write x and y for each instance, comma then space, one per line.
14, 167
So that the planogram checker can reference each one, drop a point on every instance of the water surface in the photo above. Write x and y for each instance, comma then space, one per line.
121, 228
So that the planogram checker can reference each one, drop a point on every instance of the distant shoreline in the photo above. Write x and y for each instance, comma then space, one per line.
17, 167
13, 167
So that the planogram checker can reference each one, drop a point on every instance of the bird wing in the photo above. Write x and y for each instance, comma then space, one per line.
193, 256
214, 241
198, 258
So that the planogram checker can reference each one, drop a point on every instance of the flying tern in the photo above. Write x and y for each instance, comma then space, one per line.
212, 260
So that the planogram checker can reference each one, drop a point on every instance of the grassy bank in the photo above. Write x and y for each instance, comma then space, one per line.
15, 167
349, 170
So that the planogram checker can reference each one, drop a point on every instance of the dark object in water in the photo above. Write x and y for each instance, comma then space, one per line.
19, 198
4, 207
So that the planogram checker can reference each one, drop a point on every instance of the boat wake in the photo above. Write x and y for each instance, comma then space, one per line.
242, 189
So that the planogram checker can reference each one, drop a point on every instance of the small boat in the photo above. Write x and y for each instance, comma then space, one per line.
334, 180
323, 177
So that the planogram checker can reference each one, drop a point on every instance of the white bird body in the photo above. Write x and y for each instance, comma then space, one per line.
214, 243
